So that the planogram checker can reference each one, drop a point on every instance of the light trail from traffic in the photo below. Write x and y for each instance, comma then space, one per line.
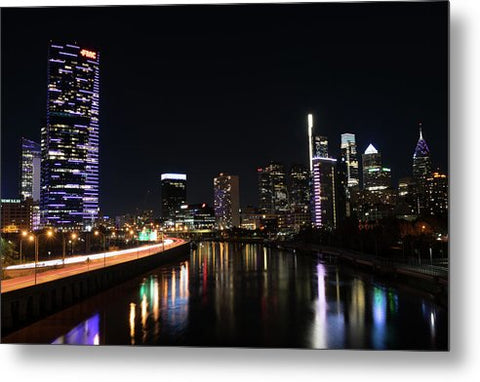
83, 258
56, 269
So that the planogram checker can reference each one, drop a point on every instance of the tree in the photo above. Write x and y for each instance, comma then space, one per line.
8, 255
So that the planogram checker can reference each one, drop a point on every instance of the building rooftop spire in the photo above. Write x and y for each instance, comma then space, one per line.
371, 149
421, 150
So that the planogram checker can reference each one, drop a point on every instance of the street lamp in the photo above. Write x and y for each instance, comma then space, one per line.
35, 238
73, 236
97, 233
23, 236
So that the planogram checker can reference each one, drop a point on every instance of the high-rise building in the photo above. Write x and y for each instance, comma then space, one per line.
174, 195
377, 199
324, 209
320, 146
226, 201
30, 170
265, 192
407, 199
375, 177
371, 162
348, 149
70, 138
437, 194
347, 169
273, 193
299, 196
422, 167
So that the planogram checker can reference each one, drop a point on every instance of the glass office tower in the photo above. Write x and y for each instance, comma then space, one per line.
348, 149
226, 199
273, 193
174, 195
30, 170
70, 138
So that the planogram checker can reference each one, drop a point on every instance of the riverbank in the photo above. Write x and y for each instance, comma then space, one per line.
428, 278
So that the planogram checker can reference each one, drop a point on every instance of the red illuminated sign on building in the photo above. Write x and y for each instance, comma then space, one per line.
88, 53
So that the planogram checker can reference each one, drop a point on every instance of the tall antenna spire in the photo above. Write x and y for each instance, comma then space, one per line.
420, 128
310, 143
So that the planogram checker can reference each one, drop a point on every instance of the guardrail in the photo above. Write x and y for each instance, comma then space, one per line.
438, 268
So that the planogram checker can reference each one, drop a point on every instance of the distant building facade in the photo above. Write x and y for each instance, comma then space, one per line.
324, 209
422, 168
30, 167
408, 206
18, 215
348, 149
226, 201
199, 217
273, 191
174, 195
437, 194
320, 146
299, 197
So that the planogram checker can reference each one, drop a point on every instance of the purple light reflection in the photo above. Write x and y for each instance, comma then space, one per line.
86, 333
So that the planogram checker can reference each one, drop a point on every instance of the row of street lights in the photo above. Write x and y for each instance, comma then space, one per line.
34, 237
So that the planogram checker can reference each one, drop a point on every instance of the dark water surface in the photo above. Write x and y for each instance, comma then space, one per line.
249, 295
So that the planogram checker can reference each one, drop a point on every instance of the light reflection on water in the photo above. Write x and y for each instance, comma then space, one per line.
250, 295
86, 333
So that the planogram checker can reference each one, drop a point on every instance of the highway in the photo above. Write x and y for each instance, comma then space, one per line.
80, 264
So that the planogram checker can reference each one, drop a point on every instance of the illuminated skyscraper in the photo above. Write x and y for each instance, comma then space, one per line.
273, 194
70, 138
437, 194
299, 196
422, 166
324, 207
348, 149
30, 170
265, 192
174, 195
375, 177
226, 201
320, 146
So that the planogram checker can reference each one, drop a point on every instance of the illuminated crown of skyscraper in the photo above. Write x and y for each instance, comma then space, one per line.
371, 149
421, 150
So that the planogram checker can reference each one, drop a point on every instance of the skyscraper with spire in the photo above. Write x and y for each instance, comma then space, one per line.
422, 165
422, 168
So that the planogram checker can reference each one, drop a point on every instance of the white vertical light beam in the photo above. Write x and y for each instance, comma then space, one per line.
310, 143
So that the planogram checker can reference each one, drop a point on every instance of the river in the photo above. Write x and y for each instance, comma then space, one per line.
248, 295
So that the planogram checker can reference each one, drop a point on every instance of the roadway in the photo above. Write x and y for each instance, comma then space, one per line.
57, 268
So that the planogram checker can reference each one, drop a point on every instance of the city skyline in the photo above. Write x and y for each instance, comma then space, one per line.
205, 155
197, 161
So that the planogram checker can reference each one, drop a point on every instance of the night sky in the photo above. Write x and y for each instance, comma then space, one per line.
227, 88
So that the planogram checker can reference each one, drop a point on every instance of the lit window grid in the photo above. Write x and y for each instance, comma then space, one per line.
72, 91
